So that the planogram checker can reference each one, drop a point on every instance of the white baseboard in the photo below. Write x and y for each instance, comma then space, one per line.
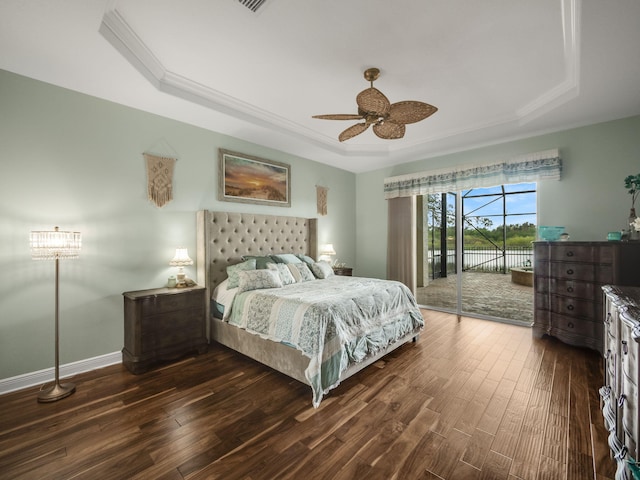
19, 382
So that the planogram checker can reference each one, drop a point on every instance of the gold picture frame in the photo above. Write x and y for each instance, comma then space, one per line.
248, 179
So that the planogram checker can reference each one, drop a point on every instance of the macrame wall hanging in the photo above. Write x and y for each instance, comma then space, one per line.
160, 175
321, 194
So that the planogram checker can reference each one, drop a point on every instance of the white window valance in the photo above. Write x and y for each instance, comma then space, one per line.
533, 167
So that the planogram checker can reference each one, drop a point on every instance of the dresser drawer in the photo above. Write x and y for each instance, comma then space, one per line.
585, 272
610, 372
611, 348
573, 288
585, 253
576, 326
629, 413
611, 320
574, 307
629, 354
567, 253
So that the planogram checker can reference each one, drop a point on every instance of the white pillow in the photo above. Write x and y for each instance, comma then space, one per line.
300, 272
233, 270
258, 279
283, 271
322, 270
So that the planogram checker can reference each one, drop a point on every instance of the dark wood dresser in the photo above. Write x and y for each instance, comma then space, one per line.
162, 324
568, 280
619, 394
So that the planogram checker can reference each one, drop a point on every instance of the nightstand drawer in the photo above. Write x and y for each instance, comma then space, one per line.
175, 320
166, 303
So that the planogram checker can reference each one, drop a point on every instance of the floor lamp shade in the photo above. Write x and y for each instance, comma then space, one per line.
55, 245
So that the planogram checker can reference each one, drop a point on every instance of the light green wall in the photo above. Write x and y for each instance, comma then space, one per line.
75, 161
589, 201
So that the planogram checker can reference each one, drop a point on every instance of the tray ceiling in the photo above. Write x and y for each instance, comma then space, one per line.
496, 70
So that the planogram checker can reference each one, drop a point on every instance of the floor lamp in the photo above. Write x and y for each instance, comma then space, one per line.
55, 245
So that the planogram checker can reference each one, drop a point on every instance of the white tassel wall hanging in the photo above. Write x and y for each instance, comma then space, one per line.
160, 173
321, 193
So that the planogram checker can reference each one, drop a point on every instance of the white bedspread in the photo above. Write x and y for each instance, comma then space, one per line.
334, 322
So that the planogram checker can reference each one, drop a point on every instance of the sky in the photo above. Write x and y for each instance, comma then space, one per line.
520, 203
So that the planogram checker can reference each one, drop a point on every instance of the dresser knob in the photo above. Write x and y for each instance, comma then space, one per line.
569, 253
570, 324
570, 289
570, 307
570, 271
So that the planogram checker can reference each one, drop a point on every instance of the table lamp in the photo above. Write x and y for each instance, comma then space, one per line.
326, 251
180, 260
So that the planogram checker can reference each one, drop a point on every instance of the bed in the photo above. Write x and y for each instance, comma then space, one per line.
328, 329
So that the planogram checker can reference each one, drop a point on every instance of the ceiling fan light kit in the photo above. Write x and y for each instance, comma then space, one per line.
388, 119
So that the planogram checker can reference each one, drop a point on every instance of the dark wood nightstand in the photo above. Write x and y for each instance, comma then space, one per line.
162, 324
343, 271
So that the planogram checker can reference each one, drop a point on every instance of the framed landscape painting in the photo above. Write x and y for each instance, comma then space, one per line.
248, 179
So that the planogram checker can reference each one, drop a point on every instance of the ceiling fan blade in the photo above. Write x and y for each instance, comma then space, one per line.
389, 130
410, 111
352, 131
339, 116
373, 102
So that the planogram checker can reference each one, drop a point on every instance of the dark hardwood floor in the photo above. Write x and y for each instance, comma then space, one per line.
471, 400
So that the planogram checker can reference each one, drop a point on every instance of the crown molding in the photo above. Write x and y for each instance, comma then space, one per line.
569, 88
118, 32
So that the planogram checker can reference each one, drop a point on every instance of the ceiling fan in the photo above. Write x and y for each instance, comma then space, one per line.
388, 119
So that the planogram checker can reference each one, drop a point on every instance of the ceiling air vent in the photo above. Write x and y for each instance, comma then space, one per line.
253, 5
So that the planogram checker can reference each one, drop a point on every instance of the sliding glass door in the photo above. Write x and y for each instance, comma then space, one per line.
469, 244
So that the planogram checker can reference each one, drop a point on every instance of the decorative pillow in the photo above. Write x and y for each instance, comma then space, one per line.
300, 272
306, 259
261, 260
258, 279
286, 258
233, 270
322, 270
283, 271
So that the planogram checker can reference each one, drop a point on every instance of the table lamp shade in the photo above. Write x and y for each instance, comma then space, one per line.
181, 258
327, 249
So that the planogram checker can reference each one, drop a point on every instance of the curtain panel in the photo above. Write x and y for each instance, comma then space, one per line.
534, 167
401, 241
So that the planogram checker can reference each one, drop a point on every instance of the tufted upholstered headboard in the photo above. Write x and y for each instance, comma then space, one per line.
223, 238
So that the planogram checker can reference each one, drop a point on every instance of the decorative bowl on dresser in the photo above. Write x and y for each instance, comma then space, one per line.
568, 277
162, 324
